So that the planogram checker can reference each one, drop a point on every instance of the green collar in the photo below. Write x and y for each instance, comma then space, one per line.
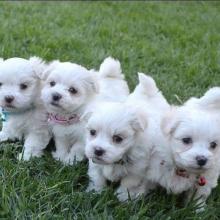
6, 114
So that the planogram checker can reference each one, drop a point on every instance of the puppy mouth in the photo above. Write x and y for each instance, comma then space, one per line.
99, 161
55, 104
9, 106
197, 169
201, 168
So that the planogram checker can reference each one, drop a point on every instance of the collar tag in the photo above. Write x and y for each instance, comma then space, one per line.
202, 181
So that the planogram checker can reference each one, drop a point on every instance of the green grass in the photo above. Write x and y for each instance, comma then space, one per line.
177, 43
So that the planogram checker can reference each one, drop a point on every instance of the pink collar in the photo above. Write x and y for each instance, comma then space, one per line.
62, 120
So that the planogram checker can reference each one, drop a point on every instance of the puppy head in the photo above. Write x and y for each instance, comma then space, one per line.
20, 83
112, 130
194, 136
68, 87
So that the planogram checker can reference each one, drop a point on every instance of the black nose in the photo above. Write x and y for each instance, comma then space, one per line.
56, 96
9, 98
201, 160
99, 152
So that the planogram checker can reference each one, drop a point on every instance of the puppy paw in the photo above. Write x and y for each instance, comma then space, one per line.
55, 155
201, 208
73, 159
20, 156
122, 194
78, 157
3, 137
91, 187
59, 156
27, 155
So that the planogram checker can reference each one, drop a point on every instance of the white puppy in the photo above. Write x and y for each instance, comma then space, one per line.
24, 116
186, 158
70, 91
116, 142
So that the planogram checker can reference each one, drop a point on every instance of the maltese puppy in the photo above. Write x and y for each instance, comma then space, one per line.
23, 114
71, 90
116, 142
186, 158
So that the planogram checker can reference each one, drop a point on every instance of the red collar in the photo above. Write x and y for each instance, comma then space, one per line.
183, 173
62, 120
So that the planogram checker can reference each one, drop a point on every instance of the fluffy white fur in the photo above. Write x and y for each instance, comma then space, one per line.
128, 159
188, 134
26, 115
89, 88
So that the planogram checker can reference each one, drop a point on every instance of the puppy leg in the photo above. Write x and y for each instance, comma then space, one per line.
6, 135
34, 145
96, 179
201, 195
76, 153
131, 186
62, 149
203, 192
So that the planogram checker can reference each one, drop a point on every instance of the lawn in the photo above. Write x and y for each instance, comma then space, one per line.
177, 43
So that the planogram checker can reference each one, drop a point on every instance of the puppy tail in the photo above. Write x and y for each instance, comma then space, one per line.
147, 90
147, 85
211, 99
38, 66
111, 68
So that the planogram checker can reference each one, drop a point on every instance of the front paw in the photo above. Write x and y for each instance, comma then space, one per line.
92, 187
72, 159
201, 208
27, 155
60, 155
3, 137
122, 194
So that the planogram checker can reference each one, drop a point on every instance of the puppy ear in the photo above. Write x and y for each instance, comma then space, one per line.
91, 80
139, 121
38, 66
86, 116
210, 100
49, 68
170, 122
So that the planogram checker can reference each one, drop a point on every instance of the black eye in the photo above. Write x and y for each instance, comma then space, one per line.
92, 132
213, 145
0, 84
117, 139
187, 140
72, 90
23, 86
52, 83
